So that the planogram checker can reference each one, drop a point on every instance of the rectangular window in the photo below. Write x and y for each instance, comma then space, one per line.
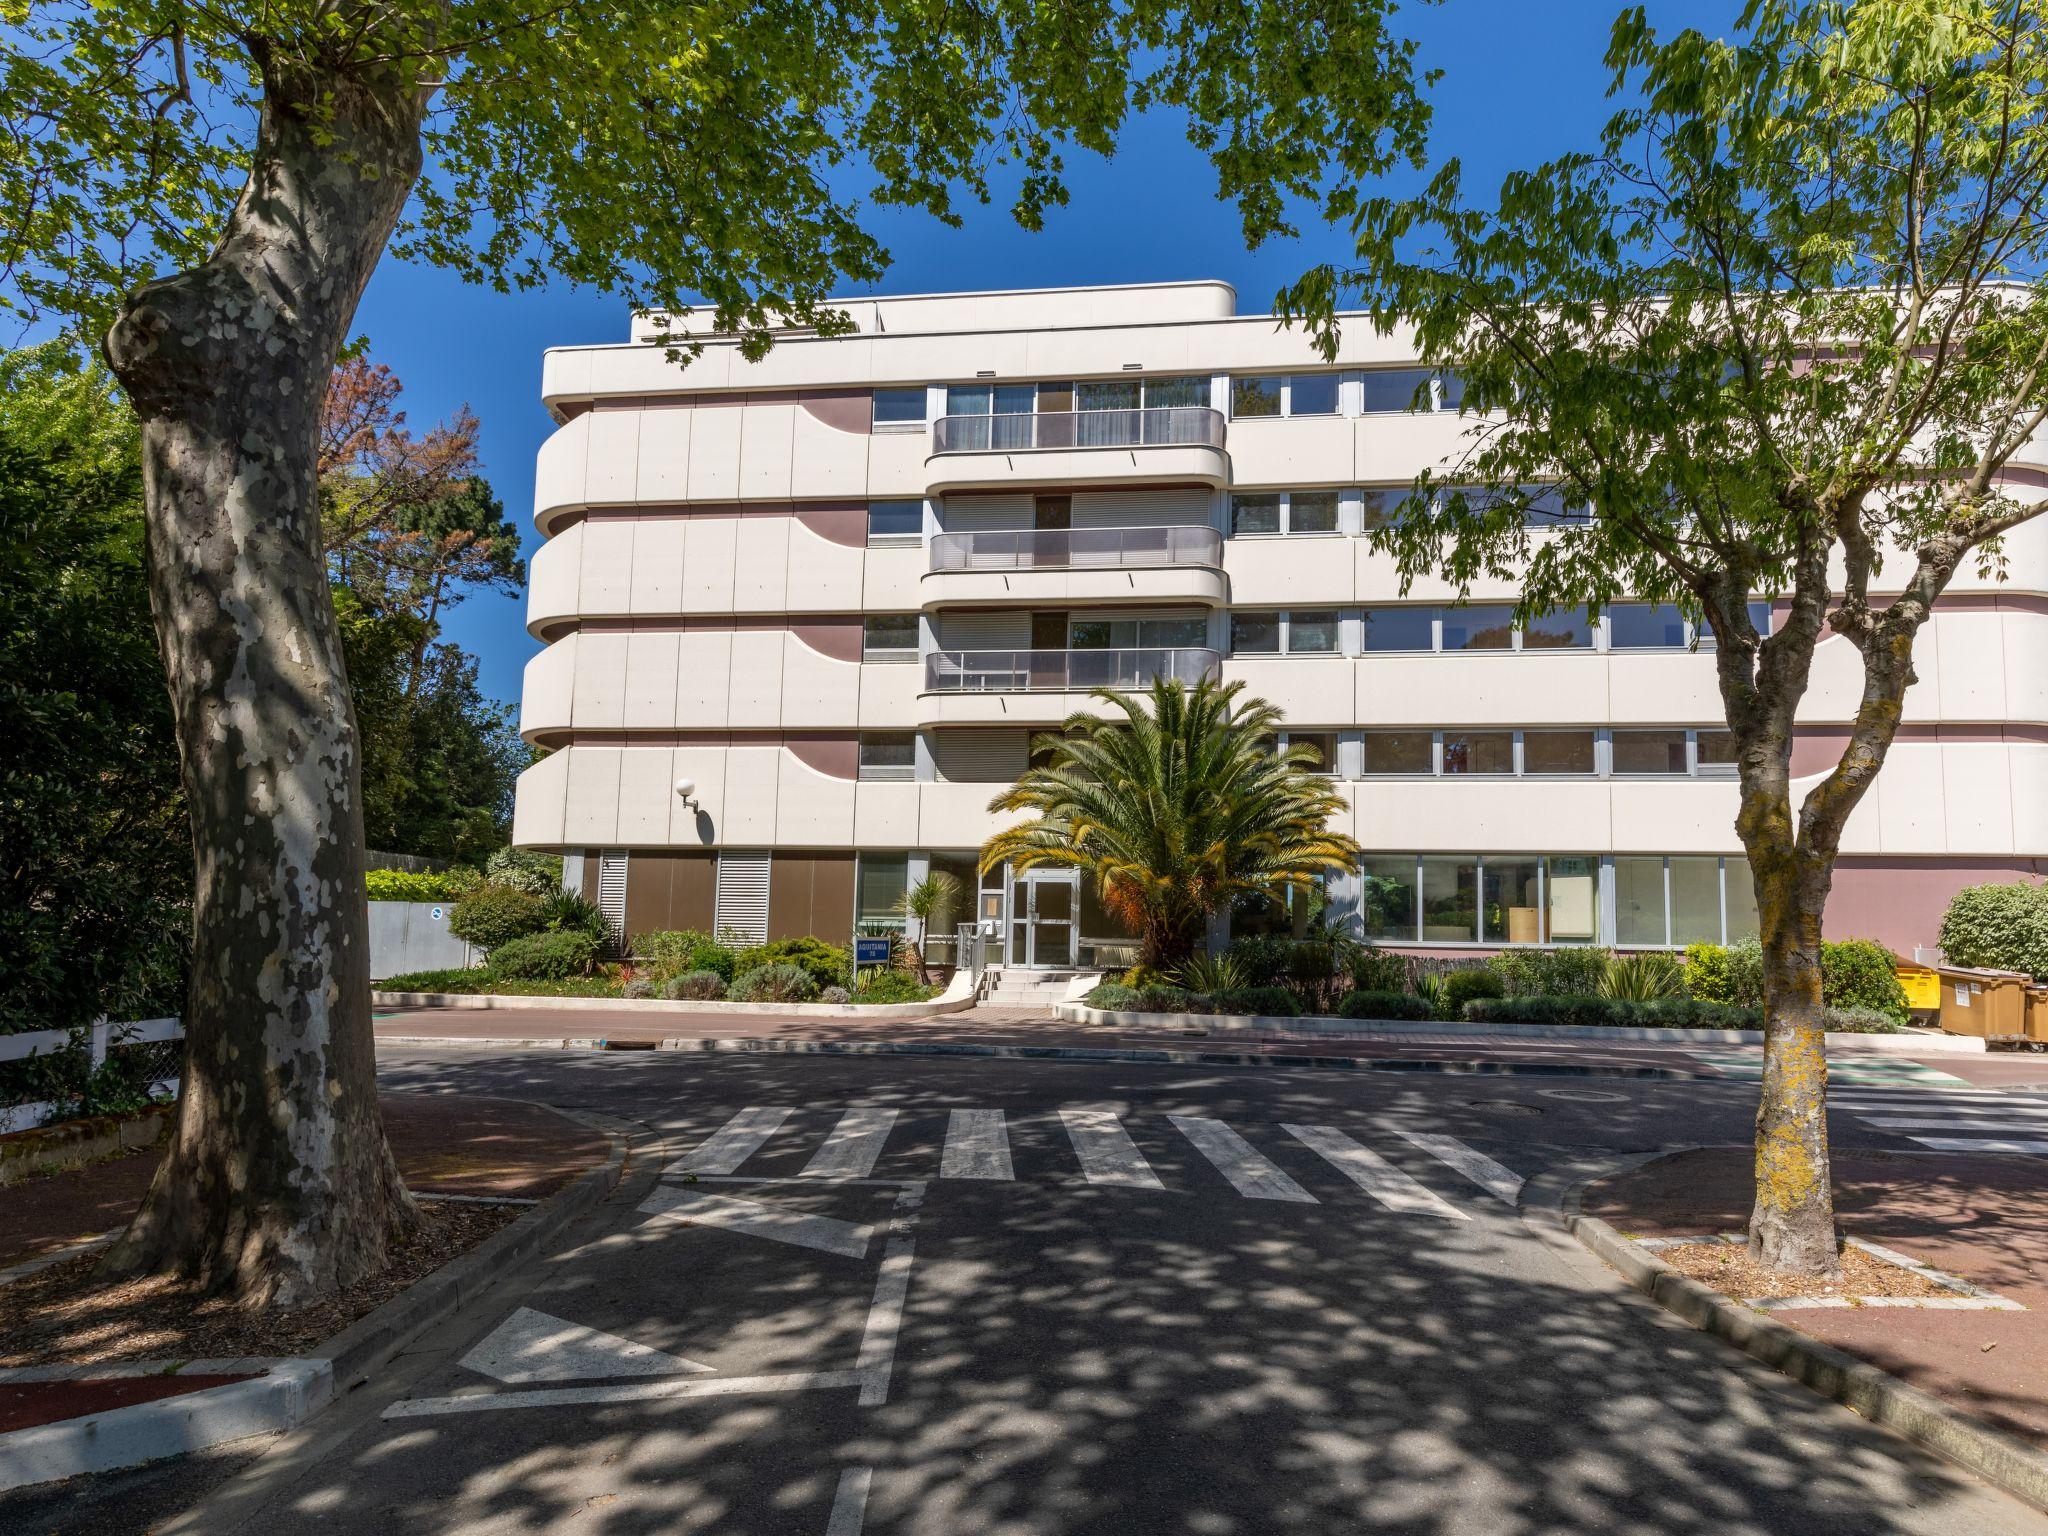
1394, 389
1182, 390
1312, 632
1738, 887
1382, 508
1716, 753
1639, 901
1173, 634
1450, 901
1387, 892
1659, 752
888, 755
1322, 743
1566, 630
1252, 397
1255, 513
1472, 752
1571, 894
1557, 752
1646, 627
1695, 901
1554, 506
1512, 912
899, 407
1109, 394
895, 522
883, 878
1759, 620
1313, 394
1450, 392
1486, 627
1399, 752
1255, 634
1400, 629
1312, 512
889, 637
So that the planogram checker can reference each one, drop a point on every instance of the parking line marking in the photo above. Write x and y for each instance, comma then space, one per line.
1951, 1123
1107, 1153
877, 1356
854, 1146
850, 1503
1373, 1173
1497, 1179
1250, 1173
1965, 1144
977, 1146
732, 1143
778, 1223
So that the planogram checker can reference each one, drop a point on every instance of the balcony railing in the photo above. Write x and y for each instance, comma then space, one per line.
1158, 426
1064, 671
1025, 549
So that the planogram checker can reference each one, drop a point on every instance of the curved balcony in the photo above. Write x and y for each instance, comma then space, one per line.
985, 686
1179, 444
1178, 563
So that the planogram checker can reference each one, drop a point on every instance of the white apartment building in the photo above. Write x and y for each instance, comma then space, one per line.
802, 616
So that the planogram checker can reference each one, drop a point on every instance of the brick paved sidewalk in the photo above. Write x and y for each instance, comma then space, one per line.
1982, 1217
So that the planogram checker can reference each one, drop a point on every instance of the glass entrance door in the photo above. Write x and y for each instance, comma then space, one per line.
1042, 919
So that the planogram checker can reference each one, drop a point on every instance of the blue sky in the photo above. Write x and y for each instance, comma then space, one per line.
1522, 82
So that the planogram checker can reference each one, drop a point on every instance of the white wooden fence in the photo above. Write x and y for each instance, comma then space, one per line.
23, 1117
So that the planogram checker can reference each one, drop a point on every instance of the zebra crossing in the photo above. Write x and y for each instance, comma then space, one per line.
1958, 1119
977, 1147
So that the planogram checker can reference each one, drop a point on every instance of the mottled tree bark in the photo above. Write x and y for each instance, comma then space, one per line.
278, 1186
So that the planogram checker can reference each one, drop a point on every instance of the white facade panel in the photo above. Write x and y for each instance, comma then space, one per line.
650, 686
657, 581
703, 679
708, 562
606, 586
612, 474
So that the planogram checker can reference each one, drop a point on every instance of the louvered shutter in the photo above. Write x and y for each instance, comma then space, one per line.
741, 902
611, 891
970, 756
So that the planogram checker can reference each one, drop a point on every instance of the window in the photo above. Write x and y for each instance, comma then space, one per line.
1270, 512
1571, 894
1322, 743
1646, 627
1568, 630
1759, 620
1450, 901
888, 755
1512, 909
1313, 632
1312, 512
1660, 752
1255, 513
1450, 392
889, 637
1256, 397
1387, 896
881, 882
1304, 394
1255, 634
1128, 634
1468, 752
1180, 390
1558, 752
895, 522
1695, 901
1488, 627
1716, 752
1639, 901
1009, 408
1394, 389
1400, 629
1109, 394
1553, 506
899, 407
1554, 899
1400, 752
1382, 508
1738, 899
1312, 394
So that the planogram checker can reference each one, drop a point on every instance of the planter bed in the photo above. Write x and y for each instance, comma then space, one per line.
957, 997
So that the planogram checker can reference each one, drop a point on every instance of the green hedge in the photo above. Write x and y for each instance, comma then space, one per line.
1663, 1013
492, 915
1383, 1005
774, 984
1855, 973
1999, 928
545, 956
1569, 971
421, 885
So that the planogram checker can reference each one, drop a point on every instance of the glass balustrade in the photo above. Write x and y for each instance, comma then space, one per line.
1024, 549
1072, 671
1024, 432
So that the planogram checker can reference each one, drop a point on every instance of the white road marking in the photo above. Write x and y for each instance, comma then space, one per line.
1107, 1153
1965, 1144
877, 1356
850, 1503
1951, 1123
977, 1146
1975, 1114
851, 1150
1497, 1179
778, 1223
1372, 1173
532, 1346
732, 1143
623, 1392
1251, 1174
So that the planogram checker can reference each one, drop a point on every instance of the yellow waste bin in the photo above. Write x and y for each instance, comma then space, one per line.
1989, 1004
2037, 1013
1923, 988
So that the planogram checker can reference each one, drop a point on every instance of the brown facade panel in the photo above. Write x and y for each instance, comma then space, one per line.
811, 894
669, 890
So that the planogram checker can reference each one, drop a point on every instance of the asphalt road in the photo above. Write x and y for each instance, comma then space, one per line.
1112, 1299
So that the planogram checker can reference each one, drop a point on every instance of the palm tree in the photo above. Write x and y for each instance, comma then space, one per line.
1175, 811
931, 902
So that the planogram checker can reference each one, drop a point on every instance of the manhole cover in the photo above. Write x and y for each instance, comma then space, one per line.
1584, 1095
1504, 1107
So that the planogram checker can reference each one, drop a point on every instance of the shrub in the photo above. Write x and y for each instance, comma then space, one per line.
1168, 1000
492, 915
1275, 1002
672, 951
694, 986
435, 981
1999, 928
566, 912
774, 984
1707, 974
1261, 959
639, 987
544, 957
420, 885
1461, 987
1213, 973
1113, 995
1643, 978
1366, 1004
1862, 974
1376, 970
835, 996
1686, 1013
879, 986
1574, 971
826, 964
1745, 974
537, 874
1861, 1021
1541, 1010
1657, 1013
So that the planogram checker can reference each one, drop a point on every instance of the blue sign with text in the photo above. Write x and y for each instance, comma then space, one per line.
871, 951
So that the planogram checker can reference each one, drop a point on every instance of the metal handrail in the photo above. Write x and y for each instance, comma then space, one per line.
1025, 432
1012, 549
1070, 671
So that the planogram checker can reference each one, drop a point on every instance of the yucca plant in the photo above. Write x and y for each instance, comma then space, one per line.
1212, 973
1175, 811
931, 903
1642, 978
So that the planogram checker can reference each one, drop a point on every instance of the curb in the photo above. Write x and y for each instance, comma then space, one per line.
73, 1143
1326, 1024
1877, 1395
932, 1008
293, 1391
1167, 1058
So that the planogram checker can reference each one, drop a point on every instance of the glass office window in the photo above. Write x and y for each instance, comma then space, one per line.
1569, 629
1382, 508
1399, 752
1258, 513
1387, 893
1176, 390
1557, 752
1312, 631
1450, 901
1646, 627
1695, 901
1482, 627
1109, 395
1639, 901
1512, 912
1571, 894
1312, 512
1716, 752
1738, 888
1479, 752
1400, 629
1450, 392
1314, 394
889, 637
1649, 751
1554, 506
888, 754
881, 881
1255, 634
1394, 389
1255, 397
1759, 620
899, 407
1322, 743
895, 522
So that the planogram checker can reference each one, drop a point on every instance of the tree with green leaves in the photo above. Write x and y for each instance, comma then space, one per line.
1781, 336
1176, 811
931, 903
208, 190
